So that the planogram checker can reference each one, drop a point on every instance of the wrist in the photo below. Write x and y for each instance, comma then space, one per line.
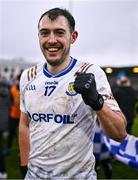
98, 104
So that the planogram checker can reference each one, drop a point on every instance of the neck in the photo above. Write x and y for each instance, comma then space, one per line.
59, 68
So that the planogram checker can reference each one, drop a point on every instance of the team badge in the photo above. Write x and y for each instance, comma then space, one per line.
71, 91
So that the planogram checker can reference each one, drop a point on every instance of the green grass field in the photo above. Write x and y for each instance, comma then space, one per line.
120, 171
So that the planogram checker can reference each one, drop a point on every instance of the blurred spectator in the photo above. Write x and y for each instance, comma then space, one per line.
5, 104
126, 97
14, 113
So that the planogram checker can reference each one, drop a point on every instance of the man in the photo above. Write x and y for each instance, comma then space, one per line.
60, 100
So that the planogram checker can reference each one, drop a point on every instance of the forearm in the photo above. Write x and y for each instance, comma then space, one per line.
113, 123
24, 144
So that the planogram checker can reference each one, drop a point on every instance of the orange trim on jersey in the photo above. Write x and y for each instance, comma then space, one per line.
84, 68
31, 73
88, 67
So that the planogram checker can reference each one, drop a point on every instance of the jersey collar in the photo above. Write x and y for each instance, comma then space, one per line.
65, 71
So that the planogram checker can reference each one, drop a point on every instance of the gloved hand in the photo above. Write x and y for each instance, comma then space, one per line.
23, 170
86, 86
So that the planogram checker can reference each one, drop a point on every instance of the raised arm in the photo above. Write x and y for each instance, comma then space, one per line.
113, 122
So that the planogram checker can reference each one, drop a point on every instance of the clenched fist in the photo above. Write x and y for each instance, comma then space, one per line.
86, 86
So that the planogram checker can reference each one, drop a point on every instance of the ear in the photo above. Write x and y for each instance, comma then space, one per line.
74, 36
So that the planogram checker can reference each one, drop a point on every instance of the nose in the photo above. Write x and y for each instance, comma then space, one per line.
52, 38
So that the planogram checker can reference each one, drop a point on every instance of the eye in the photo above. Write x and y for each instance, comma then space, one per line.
60, 33
44, 33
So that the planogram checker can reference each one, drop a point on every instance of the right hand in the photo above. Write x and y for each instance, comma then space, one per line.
86, 86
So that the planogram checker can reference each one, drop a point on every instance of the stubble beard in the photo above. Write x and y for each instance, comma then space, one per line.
59, 61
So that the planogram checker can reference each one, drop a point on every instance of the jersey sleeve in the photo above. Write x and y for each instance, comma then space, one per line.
26, 78
23, 82
104, 88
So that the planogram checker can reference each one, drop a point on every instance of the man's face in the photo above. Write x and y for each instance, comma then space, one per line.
55, 39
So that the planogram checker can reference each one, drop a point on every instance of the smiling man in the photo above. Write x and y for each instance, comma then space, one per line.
60, 101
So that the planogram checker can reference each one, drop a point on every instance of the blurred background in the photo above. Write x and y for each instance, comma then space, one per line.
108, 36
108, 33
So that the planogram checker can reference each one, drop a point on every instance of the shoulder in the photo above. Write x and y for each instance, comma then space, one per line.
30, 73
89, 67
83, 66
96, 70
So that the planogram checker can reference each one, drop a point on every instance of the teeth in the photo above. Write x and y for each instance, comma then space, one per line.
52, 49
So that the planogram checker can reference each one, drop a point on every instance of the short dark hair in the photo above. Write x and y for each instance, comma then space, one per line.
55, 12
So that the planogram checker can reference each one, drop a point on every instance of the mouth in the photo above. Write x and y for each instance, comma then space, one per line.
53, 49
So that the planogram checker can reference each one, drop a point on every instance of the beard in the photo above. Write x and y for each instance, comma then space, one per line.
58, 61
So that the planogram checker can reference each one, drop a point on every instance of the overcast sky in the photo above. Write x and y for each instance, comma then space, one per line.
108, 29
